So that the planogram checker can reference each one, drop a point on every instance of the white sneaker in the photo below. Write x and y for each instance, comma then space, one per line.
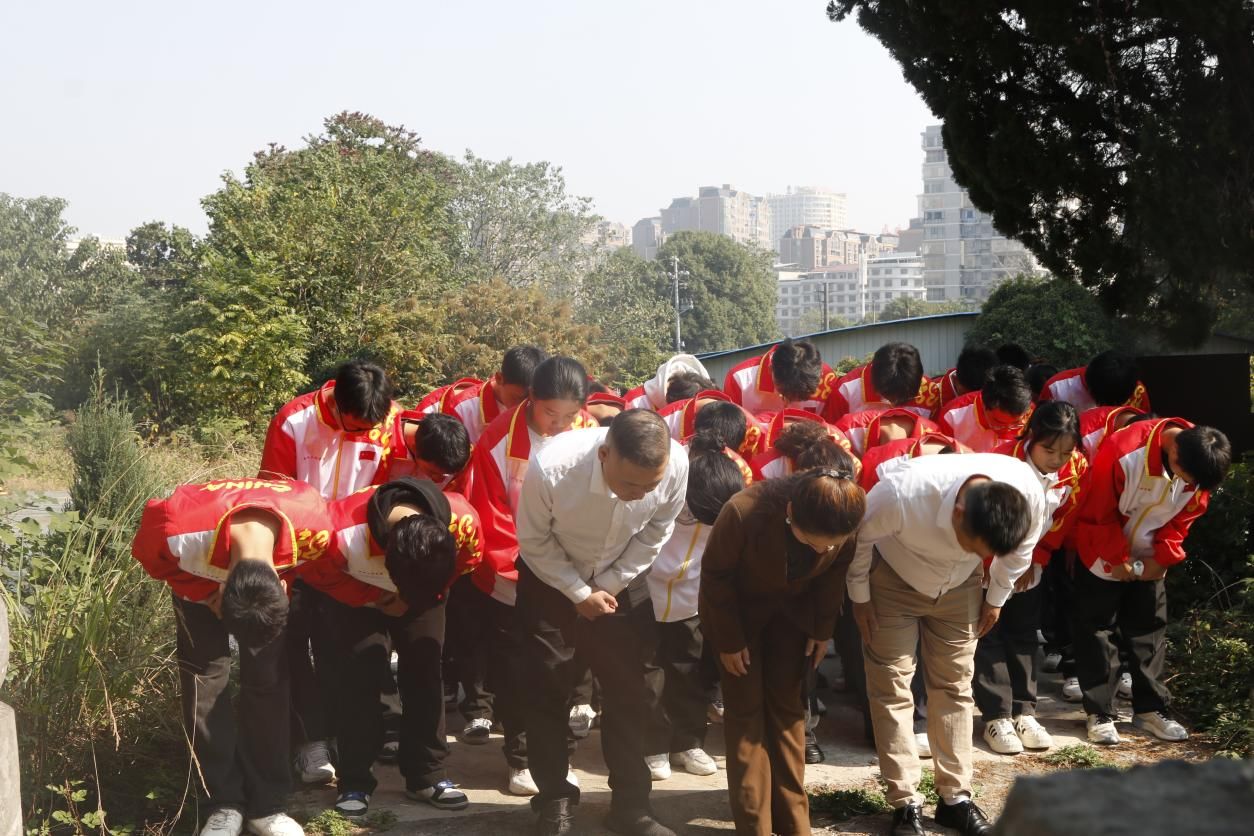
1124, 690
1031, 733
521, 782
1160, 725
695, 761
659, 766
477, 731
581, 717
280, 824
1071, 689
313, 763
225, 821
923, 745
1051, 662
1102, 730
572, 778
1000, 736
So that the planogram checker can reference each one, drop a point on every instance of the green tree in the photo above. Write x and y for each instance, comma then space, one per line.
1110, 136
903, 308
620, 298
731, 286
1052, 318
163, 253
356, 219
519, 225
34, 241
812, 322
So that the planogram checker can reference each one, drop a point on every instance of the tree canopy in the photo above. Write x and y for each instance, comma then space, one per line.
1112, 137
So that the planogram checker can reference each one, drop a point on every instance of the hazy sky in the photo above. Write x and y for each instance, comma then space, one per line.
133, 110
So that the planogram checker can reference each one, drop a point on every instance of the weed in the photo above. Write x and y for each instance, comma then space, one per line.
1077, 756
842, 804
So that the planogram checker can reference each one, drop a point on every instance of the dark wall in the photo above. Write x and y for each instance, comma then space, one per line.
1211, 389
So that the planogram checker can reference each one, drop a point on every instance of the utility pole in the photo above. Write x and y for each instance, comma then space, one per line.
680, 310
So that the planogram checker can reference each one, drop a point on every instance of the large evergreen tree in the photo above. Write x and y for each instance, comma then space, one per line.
1113, 137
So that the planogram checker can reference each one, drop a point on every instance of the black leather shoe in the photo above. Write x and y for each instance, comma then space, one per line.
556, 819
908, 821
964, 817
635, 823
813, 753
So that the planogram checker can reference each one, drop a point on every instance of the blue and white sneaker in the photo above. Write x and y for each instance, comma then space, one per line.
444, 795
352, 804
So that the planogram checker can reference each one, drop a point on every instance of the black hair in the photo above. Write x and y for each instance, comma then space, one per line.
520, 363
996, 513
595, 385
1038, 375
641, 437
1013, 354
823, 453
797, 369
1006, 390
1205, 454
724, 420
973, 366
443, 441
421, 557
254, 604
363, 390
685, 385
897, 372
1111, 378
799, 437
1051, 420
560, 378
713, 478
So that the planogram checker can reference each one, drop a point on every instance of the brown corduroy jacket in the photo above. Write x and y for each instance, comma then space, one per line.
744, 577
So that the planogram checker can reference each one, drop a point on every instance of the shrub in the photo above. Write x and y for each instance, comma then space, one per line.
111, 478
1055, 319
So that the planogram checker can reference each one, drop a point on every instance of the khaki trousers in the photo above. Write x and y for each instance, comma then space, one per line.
944, 630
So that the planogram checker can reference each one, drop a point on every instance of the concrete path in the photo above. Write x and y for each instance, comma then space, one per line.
39, 507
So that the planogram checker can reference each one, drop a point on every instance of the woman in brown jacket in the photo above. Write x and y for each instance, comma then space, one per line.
772, 583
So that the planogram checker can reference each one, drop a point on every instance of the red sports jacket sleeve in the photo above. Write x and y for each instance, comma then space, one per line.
149, 548
1169, 540
278, 456
499, 538
732, 388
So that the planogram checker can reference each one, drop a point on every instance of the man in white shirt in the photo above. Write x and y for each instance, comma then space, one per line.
916, 580
596, 507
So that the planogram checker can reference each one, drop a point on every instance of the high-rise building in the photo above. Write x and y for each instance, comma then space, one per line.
804, 246
606, 236
850, 292
964, 257
646, 237
724, 211
804, 206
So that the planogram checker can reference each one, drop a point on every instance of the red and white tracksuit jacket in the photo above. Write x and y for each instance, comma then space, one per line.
1096, 424
498, 466
353, 571
437, 400
1064, 490
1133, 508
1069, 386
185, 540
305, 442
475, 407
751, 384
944, 389
863, 428
854, 392
881, 455
400, 460
967, 420
770, 463
681, 418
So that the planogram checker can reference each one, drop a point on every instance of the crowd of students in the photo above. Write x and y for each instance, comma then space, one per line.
547, 553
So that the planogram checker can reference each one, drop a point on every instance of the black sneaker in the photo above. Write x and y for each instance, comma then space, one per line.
814, 754
556, 819
964, 817
444, 795
635, 823
908, 821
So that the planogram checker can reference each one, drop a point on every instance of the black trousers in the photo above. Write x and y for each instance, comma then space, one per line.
620, 647
678, 711
241, 754
488, 641
362, 634
309, 634
1138, 610
1006, 659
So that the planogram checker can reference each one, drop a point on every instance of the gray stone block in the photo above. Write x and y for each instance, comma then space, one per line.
1206, 799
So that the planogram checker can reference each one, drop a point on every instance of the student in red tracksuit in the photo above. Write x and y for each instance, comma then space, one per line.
789, 433
997, 413
1148, 484
894, 377
1005, 658
790, 374
883, 455
222, 547
968, 375
337, 438
559, 390
1101, 421
656, 392
396, 551
476, 407
1108, 380
437, 400
429, 446
878, 425
604, 405
681, 418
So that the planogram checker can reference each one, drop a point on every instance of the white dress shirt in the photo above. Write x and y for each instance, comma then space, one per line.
575, 534
909, 519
